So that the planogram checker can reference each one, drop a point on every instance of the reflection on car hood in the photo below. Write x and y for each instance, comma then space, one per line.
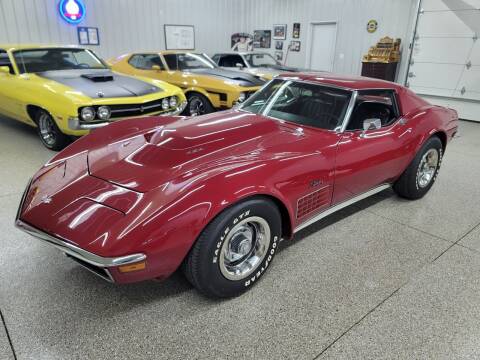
246, 80
101, 83
190, 146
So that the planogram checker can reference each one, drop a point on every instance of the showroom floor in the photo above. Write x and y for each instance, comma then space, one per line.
388, 278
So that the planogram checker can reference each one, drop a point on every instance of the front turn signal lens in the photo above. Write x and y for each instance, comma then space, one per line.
132, 267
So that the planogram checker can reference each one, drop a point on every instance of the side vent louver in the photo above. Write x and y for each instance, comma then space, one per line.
313, 201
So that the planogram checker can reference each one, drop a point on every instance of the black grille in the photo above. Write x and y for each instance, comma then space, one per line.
119, 111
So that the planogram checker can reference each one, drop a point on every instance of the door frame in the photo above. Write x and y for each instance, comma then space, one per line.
310, 38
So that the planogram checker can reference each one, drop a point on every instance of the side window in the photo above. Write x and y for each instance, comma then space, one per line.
171, 60
145, 61
374, 104
216, 57
5, 61
231, 61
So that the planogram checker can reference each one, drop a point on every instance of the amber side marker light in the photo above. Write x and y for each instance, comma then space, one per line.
132, 267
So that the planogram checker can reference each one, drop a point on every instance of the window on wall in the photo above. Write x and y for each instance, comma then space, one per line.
5, 61
146, 61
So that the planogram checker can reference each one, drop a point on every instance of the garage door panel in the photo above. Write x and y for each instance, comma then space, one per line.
422, 90
440, 50
468, 95
439, 5
434, 24
475, 54
470, 80
442, 76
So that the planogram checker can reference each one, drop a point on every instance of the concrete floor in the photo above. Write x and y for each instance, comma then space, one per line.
387, 278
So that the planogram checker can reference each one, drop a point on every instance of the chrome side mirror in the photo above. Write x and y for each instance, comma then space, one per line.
372, 124
239, 66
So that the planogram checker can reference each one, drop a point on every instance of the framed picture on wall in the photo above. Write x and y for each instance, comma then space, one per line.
295, 46
262, 39
296, 30
280, 31
279, 56
179, 37
278, 45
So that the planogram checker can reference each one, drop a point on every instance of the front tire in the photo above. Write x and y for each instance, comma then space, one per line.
198, 104
49, 132
422, 172
235, 249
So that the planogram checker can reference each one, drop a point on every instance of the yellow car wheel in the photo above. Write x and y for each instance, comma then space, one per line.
198, 104
49, 132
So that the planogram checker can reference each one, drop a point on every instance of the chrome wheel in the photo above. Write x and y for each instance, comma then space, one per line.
196, 106
427, 168
47, 129
244, 248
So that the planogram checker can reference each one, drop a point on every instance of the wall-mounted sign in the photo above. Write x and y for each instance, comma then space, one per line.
88, 36
372, 26
72, 11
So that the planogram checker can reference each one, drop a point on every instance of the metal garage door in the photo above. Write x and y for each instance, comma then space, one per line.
446, 54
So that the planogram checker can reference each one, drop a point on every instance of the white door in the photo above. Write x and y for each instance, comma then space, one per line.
322, 46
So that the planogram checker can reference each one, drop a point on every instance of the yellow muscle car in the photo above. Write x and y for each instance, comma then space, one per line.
67, 91
207, 86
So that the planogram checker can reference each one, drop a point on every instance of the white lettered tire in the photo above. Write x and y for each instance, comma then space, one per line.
235, 249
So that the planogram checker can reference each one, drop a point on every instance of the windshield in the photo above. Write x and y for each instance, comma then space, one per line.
39, 60
258, 60
188, 61
301, 103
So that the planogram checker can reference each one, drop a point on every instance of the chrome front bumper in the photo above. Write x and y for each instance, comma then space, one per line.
74, 123
85, 258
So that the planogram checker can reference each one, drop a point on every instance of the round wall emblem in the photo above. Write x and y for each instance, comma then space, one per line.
372, 26
72, 11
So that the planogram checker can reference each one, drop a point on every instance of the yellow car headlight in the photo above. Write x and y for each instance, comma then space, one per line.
104, 113
87, 114
173, 102
165, 104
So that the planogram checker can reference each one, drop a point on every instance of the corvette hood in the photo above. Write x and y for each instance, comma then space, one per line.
242, 79
101, 83
188, 146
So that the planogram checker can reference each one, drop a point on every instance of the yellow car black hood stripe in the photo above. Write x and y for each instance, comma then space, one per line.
100, 83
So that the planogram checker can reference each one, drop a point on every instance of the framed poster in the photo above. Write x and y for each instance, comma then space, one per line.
241, 42
279, 56
88, 35
278, 45
295, 46
262, 39
296, 30
280, 31
179, 37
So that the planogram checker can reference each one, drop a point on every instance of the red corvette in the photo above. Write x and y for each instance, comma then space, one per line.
216, 193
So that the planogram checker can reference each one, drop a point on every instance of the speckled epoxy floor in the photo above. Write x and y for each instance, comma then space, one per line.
387, 278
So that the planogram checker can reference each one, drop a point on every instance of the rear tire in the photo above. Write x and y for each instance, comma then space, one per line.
422, 172
198, 104
49, 133
235, 249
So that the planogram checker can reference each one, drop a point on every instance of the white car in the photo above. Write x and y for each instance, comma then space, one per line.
256, 63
